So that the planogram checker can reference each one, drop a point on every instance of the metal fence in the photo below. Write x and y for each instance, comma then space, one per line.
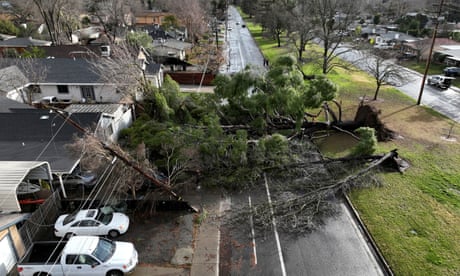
41, 220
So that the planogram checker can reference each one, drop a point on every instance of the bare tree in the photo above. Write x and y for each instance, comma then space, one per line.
124, 69
115, 16
381, 67
17, 73
331, 19
60, 18
300, 26
191, 13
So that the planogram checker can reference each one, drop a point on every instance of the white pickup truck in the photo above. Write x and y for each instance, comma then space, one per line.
80, 255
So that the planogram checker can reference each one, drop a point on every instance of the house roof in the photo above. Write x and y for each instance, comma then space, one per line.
23, 42
153, 68
58, 70
173, 44
7, 105
71, 51
12, 173
42, 136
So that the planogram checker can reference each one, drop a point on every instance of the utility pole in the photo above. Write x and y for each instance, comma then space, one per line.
428, 61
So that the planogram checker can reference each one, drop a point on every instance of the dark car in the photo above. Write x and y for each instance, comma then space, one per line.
79, 180
452, 71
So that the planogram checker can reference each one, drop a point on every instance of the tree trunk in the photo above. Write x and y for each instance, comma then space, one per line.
377, 91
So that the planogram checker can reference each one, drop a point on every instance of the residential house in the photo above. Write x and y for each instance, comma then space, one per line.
154, 72
171, 48
113, 118
150, 18
451, 54
442, 47
74, 80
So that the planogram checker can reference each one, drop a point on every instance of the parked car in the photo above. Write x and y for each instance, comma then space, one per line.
440, 81
98, 222
452, 71
81, 255
78, 180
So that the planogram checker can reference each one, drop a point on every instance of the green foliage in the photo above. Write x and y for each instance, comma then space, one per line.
413, 25
33, 52
169, 21
376, 19
10, 53
140, 39
368, 143
273, 149
7, 27
283, 92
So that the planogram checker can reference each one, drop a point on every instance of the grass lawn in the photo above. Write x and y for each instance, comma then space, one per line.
414, 217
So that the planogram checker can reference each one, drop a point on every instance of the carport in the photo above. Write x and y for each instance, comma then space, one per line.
12, 173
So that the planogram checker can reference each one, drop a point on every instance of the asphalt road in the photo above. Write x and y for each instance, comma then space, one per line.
446, 102
338, 248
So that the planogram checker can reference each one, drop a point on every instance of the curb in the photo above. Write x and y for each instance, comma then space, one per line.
380, 258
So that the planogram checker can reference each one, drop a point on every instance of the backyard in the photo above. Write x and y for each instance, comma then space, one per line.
415, 216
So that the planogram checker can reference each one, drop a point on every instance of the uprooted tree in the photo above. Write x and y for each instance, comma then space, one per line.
251, 129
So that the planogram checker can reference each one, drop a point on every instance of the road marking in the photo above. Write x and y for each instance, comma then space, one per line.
252, 232
278, 244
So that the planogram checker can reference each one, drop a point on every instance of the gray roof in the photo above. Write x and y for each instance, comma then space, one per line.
92, 108
58, 70
173, 44
38, 135
7, 105
23, 42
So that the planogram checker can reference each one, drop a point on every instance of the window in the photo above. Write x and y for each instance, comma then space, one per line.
87, 93
63, 89
86, 223
71, 259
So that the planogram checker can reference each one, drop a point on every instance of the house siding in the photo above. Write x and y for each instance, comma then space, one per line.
102, 93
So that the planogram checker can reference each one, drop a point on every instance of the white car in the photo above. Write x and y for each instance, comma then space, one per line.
98, 222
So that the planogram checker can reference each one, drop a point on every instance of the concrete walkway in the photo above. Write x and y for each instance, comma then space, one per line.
205, 260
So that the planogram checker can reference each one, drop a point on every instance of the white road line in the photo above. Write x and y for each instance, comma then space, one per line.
252, 232
278, 244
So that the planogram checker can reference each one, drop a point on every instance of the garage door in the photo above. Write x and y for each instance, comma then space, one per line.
7, 257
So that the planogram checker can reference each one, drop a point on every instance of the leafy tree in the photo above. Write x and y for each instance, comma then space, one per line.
7, 27
282, 93
376, 19
170, 21
368, 142
140, 39
414, 25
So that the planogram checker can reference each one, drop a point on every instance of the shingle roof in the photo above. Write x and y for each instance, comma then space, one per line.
23, 42
38, 135
58, 70
7, 105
